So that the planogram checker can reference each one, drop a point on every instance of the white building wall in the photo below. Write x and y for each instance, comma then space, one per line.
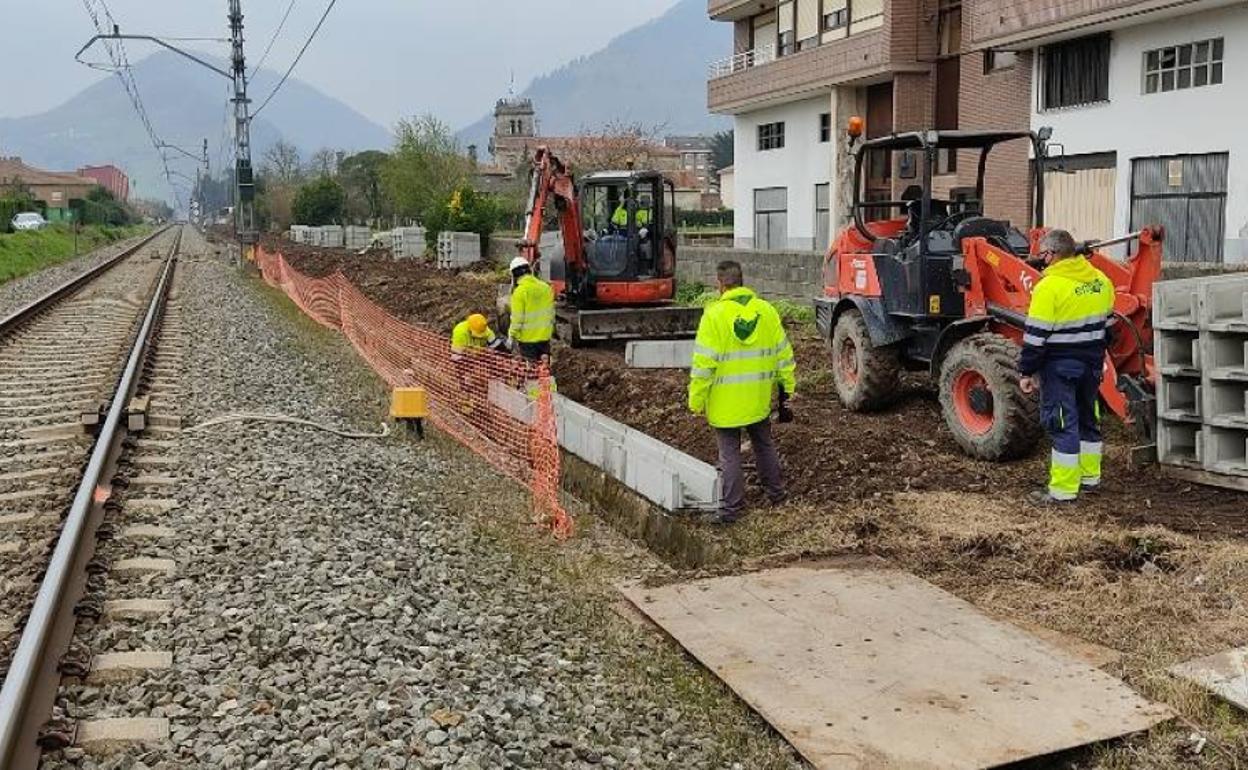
1190, 121
801, 164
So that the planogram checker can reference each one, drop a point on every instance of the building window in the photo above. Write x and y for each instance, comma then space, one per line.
771, 136
1190, 65
836, 19
823, 217
1075, 73
825, 127
996, 61
771, 218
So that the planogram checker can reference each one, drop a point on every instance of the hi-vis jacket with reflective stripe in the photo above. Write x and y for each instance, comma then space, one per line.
1069, 309
740, 353
532, 311
462, 338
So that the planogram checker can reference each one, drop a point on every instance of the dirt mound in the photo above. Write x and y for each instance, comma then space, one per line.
410, 289
834, 459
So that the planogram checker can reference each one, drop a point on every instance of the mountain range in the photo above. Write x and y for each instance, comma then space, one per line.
187, 104
652, 75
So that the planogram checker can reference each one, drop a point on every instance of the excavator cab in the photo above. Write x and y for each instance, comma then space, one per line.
628, 221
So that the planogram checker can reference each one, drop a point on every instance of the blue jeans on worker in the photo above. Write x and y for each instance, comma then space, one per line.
1071, 413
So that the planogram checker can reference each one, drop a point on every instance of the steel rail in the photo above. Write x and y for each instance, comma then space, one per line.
24, 707
24, 314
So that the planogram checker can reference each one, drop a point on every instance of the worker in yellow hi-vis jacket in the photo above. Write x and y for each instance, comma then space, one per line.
740, 356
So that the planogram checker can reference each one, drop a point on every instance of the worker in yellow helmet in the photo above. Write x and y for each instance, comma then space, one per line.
740, 356
532, 322
1064, 356
474, 333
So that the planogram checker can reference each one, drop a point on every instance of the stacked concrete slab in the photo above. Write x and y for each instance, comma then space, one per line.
658, 472
1202, 360
458, 249
355, 237
297, 233
408, 242
331, 237
309, 236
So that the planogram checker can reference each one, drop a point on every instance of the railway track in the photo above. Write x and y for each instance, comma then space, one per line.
71, 364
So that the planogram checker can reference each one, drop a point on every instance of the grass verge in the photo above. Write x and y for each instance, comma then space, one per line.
30, 251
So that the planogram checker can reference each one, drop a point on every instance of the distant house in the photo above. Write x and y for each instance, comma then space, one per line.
727, 186
110, 178
696, 158
54, 189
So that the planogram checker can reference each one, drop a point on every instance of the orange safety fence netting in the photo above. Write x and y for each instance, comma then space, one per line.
499, 406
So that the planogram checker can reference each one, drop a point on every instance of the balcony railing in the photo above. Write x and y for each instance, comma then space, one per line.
742, 61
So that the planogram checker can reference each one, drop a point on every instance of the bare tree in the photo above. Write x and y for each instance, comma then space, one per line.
618, 145
324, 162
282, 163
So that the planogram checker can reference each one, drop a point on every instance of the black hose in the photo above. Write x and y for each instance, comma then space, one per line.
1139, 340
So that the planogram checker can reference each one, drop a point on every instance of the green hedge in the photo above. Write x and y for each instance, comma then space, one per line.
33, 250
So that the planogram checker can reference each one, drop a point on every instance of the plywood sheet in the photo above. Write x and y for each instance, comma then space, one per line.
1225, 674
867, 668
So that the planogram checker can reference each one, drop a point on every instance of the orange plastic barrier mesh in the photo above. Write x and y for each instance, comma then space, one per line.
520, 441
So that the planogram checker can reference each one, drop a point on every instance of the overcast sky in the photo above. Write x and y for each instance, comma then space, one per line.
386, 58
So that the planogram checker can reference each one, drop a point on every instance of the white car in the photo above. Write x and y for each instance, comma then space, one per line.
29, 220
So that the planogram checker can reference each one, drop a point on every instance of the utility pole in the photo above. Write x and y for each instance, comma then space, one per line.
244, 180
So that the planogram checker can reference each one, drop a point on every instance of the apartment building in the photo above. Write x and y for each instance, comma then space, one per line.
110, 178
696, 160
1143, 96
1147, 102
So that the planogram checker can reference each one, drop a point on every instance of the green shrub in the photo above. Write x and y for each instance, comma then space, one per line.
793, 311
465, 211
321, 202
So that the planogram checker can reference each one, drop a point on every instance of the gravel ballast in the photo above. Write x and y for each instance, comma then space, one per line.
22, 291
383, 603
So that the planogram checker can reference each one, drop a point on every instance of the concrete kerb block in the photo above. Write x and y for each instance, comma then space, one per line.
1176, 304
659, 354
1224, 303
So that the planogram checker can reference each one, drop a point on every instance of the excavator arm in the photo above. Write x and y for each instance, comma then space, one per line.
552, 182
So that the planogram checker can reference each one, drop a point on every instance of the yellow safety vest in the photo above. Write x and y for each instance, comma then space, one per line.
532, 311
740, 353
462, 338
620, 217
1069, 309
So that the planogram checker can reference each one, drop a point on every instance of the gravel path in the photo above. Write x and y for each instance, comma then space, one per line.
383, 603
24, 290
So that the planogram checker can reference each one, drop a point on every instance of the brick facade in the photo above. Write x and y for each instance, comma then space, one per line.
992, 22
993, 101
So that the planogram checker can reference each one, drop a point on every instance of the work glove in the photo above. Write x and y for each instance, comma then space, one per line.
783, 413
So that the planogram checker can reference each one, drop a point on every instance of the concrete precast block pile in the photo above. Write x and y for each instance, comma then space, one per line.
355, 237
456, 249
408, 242
1202, 364
331, 237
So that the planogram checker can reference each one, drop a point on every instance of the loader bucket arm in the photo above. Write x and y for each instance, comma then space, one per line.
999, 287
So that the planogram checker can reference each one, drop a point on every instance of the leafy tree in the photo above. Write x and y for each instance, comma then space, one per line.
320, 202
722, 151
15, 198
361, 176
425, 167
465, 210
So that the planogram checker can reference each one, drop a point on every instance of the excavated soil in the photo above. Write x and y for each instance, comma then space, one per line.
835, 460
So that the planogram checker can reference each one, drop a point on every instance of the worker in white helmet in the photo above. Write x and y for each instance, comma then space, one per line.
532, 312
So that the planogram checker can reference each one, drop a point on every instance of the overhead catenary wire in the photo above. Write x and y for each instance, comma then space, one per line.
281, 25
295, 63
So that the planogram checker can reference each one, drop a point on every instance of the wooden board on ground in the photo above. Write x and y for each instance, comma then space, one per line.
1225, 674
876, 669
1209, 479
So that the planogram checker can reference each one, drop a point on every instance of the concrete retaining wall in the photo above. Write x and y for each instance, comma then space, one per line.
791, 275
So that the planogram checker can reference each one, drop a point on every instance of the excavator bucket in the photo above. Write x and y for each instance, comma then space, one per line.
650, 323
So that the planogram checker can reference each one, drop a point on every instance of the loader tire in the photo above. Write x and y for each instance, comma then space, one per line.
866, 377
989, 415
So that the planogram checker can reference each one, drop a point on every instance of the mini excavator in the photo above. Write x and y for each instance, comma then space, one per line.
615, 276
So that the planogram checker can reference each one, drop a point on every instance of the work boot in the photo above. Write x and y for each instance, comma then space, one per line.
1042, 497
723, 518
1090, 489
776, 502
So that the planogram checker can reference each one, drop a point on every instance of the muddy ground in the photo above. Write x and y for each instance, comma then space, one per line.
834, 459
1154, 570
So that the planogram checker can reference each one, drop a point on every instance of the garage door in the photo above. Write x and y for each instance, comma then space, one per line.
1079, 196
1186, 194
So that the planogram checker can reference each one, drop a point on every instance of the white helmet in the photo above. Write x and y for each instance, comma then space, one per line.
518, 263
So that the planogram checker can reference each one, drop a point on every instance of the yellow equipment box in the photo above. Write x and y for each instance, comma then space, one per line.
409, 404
